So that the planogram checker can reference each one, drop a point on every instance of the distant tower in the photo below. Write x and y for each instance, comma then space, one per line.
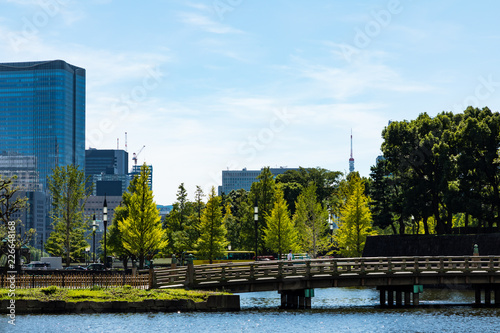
351, 160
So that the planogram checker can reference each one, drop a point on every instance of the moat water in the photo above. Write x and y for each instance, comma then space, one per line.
333, 310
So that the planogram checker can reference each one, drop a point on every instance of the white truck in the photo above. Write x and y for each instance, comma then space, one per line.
55, 262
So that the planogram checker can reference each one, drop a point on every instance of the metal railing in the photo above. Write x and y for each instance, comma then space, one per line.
77, 280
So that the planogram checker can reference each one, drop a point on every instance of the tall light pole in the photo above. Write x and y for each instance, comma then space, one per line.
256, 219
87, 255
94, 227
41, 246
105, 222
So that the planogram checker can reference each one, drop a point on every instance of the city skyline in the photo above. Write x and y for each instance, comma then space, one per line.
208, 86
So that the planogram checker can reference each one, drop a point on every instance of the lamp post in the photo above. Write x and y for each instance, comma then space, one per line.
94, 227
105, 222
41, 247
87, 255
256, 219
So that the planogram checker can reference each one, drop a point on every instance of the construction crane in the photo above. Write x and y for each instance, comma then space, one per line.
134, 158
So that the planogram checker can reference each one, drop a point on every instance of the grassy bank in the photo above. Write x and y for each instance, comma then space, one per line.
98, 294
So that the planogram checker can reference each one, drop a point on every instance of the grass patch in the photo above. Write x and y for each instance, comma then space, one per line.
94, 294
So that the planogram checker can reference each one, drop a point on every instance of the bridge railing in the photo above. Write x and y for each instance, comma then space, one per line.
200, 275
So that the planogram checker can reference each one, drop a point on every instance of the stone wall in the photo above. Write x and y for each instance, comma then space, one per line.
213, 303
431, 245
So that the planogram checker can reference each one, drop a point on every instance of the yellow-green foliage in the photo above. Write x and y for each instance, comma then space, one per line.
141, 232
355, 222
106, 295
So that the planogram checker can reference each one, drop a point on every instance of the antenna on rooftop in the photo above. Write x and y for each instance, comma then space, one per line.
351, 159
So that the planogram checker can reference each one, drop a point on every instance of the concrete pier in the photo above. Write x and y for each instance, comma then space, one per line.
296, 299
487, 290
399, 296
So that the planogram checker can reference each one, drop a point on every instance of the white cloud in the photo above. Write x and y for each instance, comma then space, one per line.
206, 24
348, 81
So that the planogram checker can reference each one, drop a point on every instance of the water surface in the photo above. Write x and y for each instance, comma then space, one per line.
333, 310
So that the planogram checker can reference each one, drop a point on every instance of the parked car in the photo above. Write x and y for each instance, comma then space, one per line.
36, 265
96, 267
76, 268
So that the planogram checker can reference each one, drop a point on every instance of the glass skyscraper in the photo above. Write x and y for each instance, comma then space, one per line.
42, 125
42, 119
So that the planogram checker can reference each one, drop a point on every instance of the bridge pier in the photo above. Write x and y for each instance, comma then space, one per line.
403, 295
296, 299
488, 290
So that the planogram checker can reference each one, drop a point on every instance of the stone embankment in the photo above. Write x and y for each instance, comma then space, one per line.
213, 303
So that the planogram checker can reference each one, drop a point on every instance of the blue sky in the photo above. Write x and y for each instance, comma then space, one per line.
215, 84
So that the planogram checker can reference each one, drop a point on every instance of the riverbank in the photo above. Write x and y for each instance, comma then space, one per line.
126, 299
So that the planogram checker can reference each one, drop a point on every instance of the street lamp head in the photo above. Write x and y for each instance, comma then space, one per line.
105, 206
94, 224
105, 211
105, 222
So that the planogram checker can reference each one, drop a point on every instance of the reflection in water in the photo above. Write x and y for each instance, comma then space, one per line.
334, 310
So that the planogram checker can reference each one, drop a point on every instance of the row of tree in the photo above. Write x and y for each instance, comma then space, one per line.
438, 172
293, 213
435, 173
210, 227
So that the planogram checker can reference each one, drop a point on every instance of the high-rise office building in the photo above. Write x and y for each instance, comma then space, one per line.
42, 115
107, 161
42, 121
136, 171
243, 179
107, 169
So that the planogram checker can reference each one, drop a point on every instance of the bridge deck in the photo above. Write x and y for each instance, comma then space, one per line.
338, 272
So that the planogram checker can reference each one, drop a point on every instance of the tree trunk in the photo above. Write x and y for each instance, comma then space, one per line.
426, 226
125, 262
17, 260
394, 230
449, 223
440, 228
401, 226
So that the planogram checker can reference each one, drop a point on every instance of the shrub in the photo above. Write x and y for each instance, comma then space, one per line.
50, 290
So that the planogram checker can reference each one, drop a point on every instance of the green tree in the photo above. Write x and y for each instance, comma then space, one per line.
355, 222
311, 221
180, 225
199, 205
11, 204
388, 201
142, 233
182, 201
280, 234
212, 242
242, 235
262, 194
420, 154
295, 180
233, 228
114, 241
191, 228
115, 245
68, 194
477, 185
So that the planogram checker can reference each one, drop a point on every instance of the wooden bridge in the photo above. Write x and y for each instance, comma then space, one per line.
399, 279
